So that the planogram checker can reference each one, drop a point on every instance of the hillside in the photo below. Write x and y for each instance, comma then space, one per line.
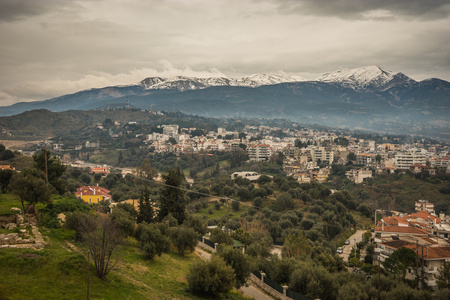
367, 98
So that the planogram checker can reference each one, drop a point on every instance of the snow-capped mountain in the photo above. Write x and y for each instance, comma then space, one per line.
183, 83
370, 76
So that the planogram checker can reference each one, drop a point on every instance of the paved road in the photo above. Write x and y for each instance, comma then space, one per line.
354, 239
249, 291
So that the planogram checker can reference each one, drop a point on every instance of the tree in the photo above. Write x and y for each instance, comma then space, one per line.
296, 245
29, 189
351, 156
52, 167
443, 278
263, 179
235, 205
172, 198
124, 220
218, 235
184, 239
284, 202
145, 207
147, 169
5, 178
211, 277
400, 260
102, 237
153, 241
238, 261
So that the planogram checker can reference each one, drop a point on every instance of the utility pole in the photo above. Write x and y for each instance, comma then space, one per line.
417, 264
423, 271
228, 230
379, 283
87, 290
46, 167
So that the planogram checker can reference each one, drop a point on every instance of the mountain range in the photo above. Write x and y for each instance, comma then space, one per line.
365, 98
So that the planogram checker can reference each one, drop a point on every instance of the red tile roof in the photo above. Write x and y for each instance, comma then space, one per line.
398, 229
424, 215
92, 190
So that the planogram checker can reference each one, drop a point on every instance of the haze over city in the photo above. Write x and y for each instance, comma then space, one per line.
50, 48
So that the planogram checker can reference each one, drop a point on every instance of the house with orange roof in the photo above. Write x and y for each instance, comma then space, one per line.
100, 170
93, 194
7, 167
431, 257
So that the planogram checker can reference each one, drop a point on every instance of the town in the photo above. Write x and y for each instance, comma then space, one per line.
268, 190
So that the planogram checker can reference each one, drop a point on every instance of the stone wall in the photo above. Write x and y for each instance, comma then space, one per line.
267, 288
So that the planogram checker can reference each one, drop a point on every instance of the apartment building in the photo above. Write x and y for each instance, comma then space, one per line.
259, 152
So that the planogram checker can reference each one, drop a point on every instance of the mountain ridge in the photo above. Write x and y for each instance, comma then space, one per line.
369, 97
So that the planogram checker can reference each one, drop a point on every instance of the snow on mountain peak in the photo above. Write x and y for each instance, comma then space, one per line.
192, 83
365, 77
360, 77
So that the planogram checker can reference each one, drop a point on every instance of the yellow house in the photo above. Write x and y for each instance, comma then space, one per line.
92, 194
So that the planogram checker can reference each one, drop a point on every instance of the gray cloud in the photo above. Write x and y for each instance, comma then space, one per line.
368, 9
14, 10
53, 47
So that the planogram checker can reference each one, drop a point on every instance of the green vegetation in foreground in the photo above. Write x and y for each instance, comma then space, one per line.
6, 202
59, 272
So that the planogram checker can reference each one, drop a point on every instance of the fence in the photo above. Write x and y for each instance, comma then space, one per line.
273, 288
206, 244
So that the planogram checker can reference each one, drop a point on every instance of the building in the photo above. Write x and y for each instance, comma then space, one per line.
365, 159
424, 205
7, 167
404, 160
92, 194
259, 152
323, 155
252, 176
431, 257
170, 130
100, 170
358, 176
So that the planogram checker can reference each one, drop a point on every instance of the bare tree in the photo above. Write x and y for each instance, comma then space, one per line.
102, 237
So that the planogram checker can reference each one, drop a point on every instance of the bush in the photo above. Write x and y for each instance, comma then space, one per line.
153, 242
238, 261
210, 278
184, 239
218, 236
124, 220
235, 205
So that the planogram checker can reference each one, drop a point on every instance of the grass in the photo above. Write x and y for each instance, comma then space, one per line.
6, 202
243, 207
60, 272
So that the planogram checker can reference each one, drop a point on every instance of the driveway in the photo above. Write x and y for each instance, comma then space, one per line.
354, 239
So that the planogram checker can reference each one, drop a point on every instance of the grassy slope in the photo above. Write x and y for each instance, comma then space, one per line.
59, 271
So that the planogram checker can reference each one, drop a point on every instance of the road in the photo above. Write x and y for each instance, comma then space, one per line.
249, 291
354, 239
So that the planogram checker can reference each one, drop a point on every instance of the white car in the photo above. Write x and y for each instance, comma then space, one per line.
339, 250
347, 242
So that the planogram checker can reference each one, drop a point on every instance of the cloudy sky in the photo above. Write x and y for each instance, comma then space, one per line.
53, 47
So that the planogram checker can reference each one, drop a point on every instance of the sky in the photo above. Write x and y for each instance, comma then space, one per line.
54, 47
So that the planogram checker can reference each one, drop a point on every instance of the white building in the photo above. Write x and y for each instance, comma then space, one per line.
404, 160
259, 152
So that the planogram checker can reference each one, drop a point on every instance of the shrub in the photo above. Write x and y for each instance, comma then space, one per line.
211, 277
153, 242
238, 261
184, 239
